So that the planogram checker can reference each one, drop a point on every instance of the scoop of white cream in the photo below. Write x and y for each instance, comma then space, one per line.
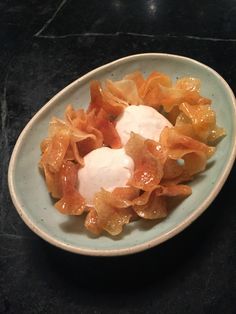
143, 120
104, 168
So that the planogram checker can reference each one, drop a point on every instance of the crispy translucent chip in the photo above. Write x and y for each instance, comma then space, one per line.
112, 210
149, 159
183, 177
173, 190
101, 122
153, 205
71, 203
142, 199
173, 114
178, 144
92, 222
172, 97
122, 197
45, 144
137, 77
52, 181
96, 96
103, 98
76, 153
155, 208
216, 135
188, 83
82, 127
71, 133
195, 162
81, 121
158, 91
157, 77
111, 219
55, 152
126, 90
113, 104
172, 169
202, 121
151, 92
192, 151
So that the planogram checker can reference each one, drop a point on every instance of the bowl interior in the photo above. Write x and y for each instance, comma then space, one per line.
29, 191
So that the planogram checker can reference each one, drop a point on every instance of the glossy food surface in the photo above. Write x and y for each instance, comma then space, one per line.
45, 45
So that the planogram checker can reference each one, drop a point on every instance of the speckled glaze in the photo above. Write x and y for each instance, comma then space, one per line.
29, 192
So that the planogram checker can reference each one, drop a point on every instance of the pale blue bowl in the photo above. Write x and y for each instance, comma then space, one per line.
29, 192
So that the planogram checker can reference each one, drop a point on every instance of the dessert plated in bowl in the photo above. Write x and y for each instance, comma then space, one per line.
27, 184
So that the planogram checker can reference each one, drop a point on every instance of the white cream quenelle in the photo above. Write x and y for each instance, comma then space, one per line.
110, 168
104, 168
143, 120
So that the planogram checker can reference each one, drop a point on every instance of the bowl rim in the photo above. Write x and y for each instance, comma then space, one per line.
156, 240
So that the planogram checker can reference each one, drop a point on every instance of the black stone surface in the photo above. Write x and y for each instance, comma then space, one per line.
44, 46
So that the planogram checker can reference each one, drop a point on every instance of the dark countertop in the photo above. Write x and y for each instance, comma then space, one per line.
44, 46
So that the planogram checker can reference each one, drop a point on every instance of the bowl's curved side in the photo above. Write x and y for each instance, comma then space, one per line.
62, 96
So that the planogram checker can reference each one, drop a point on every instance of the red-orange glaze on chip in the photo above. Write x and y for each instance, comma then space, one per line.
148, 161
137, 78
193, 152
102, 123
155, 208
111, 218
71, 203
126, 90
56, 150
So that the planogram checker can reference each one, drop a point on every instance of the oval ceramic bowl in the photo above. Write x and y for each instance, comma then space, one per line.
29, 192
